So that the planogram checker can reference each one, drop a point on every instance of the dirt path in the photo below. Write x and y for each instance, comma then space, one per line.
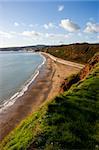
65, 62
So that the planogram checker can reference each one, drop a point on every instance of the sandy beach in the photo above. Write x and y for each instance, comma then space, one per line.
45, 86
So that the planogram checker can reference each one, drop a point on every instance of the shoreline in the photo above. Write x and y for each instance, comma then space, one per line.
45, 87
21, 92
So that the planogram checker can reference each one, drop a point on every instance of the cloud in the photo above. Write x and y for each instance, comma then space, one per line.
45, 35
46, 26
91, 27
80, 34
31, 25
53, 35
6, 35
23, 24
60, 8
49, 25
16, 24
30, 33
68, 25
25, 34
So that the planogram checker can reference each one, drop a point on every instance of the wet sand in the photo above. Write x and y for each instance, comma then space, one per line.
46, 86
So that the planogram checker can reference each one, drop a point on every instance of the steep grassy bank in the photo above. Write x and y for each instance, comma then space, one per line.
79, 52
69, 121
68, 82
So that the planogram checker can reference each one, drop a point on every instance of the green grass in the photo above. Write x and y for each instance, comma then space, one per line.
69, 121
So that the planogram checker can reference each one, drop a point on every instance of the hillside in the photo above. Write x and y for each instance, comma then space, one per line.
24, 48
69, 121
82, 74
79, 52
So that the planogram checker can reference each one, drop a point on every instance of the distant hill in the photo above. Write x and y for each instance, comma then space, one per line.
24, 48
79, 52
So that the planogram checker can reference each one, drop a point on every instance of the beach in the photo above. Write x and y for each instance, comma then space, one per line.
44, 87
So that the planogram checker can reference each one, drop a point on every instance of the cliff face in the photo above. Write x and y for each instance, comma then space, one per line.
81, 75
89, 66
80, 53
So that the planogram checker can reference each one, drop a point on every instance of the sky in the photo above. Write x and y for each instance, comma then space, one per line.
50, 22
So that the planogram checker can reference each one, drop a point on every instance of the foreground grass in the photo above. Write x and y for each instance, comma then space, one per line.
70, 121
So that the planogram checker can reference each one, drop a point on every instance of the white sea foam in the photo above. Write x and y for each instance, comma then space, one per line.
13, 99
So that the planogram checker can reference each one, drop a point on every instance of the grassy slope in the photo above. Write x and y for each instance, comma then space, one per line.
80, 53
70, 121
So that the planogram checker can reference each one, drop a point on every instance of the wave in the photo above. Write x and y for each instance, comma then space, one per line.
13, 99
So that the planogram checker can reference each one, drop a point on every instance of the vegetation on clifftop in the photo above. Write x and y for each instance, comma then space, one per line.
69, 121
79, 52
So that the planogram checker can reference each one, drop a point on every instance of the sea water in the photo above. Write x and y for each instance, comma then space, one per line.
17, 72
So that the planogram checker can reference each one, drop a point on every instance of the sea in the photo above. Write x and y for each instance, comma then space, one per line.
17, 71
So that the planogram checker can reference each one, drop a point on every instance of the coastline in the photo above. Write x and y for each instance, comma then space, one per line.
24, 88
45, 86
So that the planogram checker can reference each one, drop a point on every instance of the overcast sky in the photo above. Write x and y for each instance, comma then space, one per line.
53, 22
